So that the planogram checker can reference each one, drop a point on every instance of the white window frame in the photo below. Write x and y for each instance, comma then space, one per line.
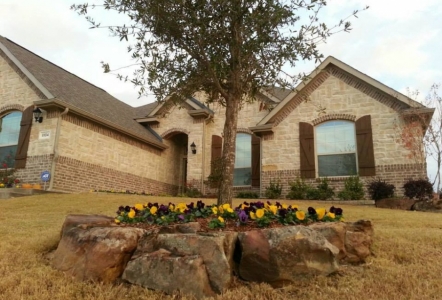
335, 153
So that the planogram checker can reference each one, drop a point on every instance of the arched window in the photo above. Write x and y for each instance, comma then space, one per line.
336, 148
9, 131
242, 174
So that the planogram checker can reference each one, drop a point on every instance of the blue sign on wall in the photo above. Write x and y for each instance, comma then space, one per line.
45, 176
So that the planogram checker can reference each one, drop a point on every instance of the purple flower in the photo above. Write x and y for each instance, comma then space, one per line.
259, 204
282, 212
181, 217
163, 209
243, 216
190, 206
278, 204
332, 209
311, 211
338, 211
200, 204
127, 208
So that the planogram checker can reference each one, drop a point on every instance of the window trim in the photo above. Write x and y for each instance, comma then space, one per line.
334, 153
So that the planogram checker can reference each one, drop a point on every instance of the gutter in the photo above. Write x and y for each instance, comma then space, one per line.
55, 149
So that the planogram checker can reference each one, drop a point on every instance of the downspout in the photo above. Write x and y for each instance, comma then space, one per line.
203, 165
55, 149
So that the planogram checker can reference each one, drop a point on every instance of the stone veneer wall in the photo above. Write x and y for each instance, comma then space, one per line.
73, 175
393, 174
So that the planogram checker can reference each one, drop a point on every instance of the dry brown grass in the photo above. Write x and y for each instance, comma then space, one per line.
407, 262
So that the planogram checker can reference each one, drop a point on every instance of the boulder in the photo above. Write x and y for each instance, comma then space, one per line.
160, 270
358, 241
97, 253
395, 203
434, 205
280, 255
86, 221
353, 240
215, 249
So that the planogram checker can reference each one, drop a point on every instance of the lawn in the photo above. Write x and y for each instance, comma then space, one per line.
407, 263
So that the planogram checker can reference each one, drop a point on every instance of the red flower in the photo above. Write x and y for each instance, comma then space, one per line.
5, 165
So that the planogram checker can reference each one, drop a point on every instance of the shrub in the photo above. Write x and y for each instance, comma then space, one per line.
379, 189
353, 189
274, 190
193, 192
419, 189
298, 189
247, 195
322, 192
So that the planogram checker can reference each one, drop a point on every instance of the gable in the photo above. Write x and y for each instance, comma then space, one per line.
352, 77
14, 90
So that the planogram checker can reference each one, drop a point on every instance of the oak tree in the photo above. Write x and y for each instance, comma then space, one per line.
229, 49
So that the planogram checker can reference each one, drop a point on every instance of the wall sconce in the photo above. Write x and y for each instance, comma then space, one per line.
37, 115
193, 148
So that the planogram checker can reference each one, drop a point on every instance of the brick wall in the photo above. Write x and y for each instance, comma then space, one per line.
396, 174
73, 175
34, 166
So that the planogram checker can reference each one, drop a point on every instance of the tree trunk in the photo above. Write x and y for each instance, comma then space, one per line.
225, 193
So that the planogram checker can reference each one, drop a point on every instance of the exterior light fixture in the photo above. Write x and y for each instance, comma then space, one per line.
37, 115
193, 148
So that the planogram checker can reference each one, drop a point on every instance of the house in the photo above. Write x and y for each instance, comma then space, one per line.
338, 123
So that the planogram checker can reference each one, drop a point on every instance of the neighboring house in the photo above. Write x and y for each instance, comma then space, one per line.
338, 123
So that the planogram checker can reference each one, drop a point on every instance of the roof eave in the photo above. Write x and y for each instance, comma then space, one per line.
61, 104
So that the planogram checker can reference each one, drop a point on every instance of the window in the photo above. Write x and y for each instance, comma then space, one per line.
336, 148
242, 174
9, 131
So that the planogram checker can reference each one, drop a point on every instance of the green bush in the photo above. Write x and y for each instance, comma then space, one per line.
274, 190
298, 189
247, 195
301, 190
353, 189
193, 192
379, 189
324, 190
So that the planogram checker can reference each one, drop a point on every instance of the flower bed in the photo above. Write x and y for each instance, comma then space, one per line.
243, 217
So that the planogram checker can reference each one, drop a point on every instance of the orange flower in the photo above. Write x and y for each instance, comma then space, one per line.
300, 215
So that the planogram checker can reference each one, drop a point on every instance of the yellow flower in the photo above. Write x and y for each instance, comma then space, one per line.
243, 206
139, 206
331, 215
285, 206
171, 207
221, 219
300, 215
252, 215
117, 221
260, 213
153, 210
266, 205
226, 206
341, 219
180, 207
229, 210
220, 209
131, 214
215, 210
320, 212
273, 209
163, 218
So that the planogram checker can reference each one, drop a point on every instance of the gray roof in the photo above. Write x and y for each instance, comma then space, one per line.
71, 89
145, 110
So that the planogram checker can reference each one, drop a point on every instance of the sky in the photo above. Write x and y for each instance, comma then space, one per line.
397, 42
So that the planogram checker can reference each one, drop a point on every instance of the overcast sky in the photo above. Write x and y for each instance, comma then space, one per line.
397, 42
